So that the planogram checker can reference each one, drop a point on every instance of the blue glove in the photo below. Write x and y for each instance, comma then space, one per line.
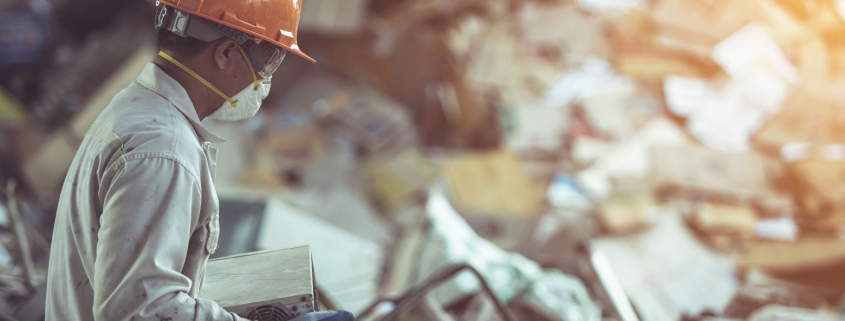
326, 316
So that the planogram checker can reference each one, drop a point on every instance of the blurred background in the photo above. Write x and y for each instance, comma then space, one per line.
591, 159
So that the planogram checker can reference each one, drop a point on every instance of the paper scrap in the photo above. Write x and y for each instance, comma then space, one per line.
752, 49
631, 157
783, 229
667, 272
728, 121
685, 95
596, 76
537, 126
601, 6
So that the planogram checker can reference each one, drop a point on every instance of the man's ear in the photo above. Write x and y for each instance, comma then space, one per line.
225, 51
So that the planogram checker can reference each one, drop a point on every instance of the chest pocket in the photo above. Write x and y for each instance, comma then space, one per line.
213, 227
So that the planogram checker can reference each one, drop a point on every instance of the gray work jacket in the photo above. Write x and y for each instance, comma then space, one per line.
138, 214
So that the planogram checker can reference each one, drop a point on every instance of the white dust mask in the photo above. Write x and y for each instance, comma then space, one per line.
248, 102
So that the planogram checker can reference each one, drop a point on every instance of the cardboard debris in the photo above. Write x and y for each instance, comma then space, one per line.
630, 158
814, 176
491, 65
551, 24
493, 183
611, 114
708, 19
627, 213
784, 26
629, 30
740, 175
496, 196
791, 257
695, 49
805, 118
814, 60
653, 65
397, 178
536, 127
723, 218
283, 152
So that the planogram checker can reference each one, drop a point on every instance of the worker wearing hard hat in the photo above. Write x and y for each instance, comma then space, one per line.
138, 215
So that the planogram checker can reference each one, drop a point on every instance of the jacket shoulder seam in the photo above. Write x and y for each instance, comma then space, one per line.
127, 158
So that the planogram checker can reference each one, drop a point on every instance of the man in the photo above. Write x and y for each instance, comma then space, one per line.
138, 214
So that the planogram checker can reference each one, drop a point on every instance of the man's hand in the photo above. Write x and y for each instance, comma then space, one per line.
326, 316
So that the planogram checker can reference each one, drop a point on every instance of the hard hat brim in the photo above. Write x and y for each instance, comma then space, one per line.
293, 49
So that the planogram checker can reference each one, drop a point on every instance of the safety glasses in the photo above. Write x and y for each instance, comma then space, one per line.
265, 58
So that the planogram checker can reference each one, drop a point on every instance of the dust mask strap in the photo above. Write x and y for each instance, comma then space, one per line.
231, 101
251, 70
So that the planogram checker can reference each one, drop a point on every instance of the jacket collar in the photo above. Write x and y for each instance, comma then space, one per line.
155, 79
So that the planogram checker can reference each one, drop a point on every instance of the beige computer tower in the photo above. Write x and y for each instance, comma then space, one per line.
274, 285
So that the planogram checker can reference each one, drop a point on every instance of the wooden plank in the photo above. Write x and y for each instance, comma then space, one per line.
239, 283
801, 256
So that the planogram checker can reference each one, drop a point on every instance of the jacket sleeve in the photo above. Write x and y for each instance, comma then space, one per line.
148, 217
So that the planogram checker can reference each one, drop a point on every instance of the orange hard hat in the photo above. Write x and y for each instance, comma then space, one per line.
275, 21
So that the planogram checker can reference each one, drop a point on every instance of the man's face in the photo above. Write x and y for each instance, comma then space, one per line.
235, 60
230, 72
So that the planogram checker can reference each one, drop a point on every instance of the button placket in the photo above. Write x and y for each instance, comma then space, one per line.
211, 159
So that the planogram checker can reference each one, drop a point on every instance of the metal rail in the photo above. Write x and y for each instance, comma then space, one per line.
414, 296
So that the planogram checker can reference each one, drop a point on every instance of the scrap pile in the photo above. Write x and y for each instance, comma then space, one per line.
539, 118
685, 152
